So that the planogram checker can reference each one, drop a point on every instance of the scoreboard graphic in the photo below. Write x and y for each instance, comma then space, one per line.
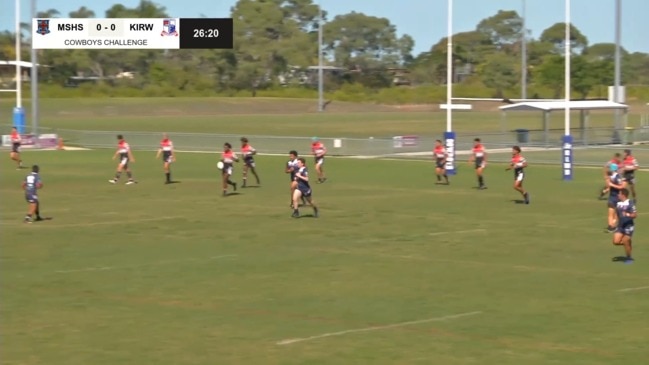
116, 33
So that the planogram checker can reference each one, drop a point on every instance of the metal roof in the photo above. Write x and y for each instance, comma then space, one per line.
561, 105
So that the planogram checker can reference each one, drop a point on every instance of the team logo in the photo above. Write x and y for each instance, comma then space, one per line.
43, 26
169, 27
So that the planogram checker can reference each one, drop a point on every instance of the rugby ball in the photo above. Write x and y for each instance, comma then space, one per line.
219, 165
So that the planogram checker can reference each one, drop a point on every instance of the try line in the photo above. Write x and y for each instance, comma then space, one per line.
376, 328
634, 289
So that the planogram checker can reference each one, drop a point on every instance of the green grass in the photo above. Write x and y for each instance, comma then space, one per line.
179, 275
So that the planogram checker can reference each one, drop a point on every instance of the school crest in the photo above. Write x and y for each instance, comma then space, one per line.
169, 28
43, 26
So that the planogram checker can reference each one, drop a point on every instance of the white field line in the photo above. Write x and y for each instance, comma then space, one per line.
377, 328
158, 263
92, 224
634, 289
479, 230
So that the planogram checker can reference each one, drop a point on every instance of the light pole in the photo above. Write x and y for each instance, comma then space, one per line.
34, 81
19, 112
320, 62
567, 158
523, 56
618, 39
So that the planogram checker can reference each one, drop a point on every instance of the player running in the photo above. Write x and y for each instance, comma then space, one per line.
519, 164
125, 156
31, 185
479, 157
617, 160
16, 141
615, 184
630, 165
228, 158
291, 168
303, 189
248, 161
319, 151
168, 156
626, 215
440, 162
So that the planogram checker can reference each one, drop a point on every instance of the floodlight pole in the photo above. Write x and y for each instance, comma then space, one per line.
449, 135
320, 62
618, 77
19, 112
567, 158
34, 80
523, 55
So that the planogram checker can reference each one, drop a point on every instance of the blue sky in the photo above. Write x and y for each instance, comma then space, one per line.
424, 20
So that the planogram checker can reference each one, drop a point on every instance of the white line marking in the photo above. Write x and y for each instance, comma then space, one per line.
479, 230
92, 224
377, 328
106, 268
634, 289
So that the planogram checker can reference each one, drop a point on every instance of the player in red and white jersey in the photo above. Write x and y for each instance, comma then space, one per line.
125, 156
319, 151
629, 167
248, 153
168, 156
440, 155
228, 157
616, 160
16, 141
479, 157
519, 164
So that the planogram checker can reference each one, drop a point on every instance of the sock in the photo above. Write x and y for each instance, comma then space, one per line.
130, 175
230, 182
168, 174
439, 178
38, 213
117, 175
446, 177
481, 180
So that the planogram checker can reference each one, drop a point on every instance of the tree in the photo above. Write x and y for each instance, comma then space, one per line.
503, 29
551, 74
556, 35
603, 51
583, 76
499, 73
82, 12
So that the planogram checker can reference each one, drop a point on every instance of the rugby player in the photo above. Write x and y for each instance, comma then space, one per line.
519, 164
617, 160
248, 161
168, 156
228, 157
440, 162
303, 189
291, 168
31, 185
16, 140
125, 156
479, 157
615, 184
319, 151
630, 165
626, 215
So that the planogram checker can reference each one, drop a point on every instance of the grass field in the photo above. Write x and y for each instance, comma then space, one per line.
395, 271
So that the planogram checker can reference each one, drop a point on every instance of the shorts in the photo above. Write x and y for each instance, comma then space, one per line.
250, 162
124, 161
167, 158
319, 160
519, 176
31, 198
440, 165
612, 201
629, 177
626, 230
227, 169
305, 192
15, 147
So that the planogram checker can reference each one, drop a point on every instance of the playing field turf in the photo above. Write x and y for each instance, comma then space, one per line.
396, 270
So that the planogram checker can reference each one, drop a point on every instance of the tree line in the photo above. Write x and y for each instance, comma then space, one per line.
275, 44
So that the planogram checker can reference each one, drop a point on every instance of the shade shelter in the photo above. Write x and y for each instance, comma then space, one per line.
583, 106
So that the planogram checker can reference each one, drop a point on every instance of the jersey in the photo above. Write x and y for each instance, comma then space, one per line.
629, 164
479, 154
32, 183
625, 224
167, 148
247, 152
518, 162
228, 157
292, 164
15, 142
318, 149
303, 185
123, 148
440, 155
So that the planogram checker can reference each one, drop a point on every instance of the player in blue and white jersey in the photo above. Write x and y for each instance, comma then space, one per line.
31, 185
626, 215
291, 168
615, 184
303, 189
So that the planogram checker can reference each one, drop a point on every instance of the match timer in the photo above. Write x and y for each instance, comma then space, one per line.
206, 33
106, 28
